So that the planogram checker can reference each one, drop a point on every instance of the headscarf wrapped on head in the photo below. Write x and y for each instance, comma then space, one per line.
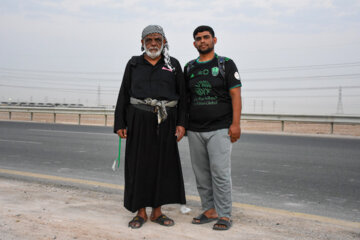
158, 29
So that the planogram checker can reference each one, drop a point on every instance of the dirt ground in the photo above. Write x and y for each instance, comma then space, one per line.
37, 211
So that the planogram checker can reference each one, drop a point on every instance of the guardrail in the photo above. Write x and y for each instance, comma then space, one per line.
55, 111
330, 119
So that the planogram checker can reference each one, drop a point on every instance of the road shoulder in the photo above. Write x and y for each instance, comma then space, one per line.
31, 210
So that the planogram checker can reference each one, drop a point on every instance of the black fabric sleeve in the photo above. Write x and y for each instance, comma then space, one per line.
180, 85
187, 97
232, 75
123, 101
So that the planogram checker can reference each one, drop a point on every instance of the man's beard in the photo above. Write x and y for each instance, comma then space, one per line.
206, 51
151, 54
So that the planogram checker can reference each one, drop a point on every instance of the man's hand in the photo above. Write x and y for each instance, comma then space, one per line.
234, 129
122, 133
234, 132
180, 132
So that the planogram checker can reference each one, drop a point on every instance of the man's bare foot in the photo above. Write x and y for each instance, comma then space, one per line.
138, 222
223, 223
210, 215
156, 213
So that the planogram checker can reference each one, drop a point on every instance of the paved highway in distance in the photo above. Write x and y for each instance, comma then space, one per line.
314, 175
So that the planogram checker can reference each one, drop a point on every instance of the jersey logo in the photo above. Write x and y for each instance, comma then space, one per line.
203, 72
203, 96
202, 88
215, 71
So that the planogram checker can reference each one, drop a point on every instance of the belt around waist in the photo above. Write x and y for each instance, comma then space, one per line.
148, 107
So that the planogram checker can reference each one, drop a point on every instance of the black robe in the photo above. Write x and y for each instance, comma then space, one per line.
153, 175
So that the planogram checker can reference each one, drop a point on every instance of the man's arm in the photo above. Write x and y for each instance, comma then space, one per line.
121, 105
235, 129
180, 125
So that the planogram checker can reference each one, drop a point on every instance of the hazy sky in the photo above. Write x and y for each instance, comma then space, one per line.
292, 55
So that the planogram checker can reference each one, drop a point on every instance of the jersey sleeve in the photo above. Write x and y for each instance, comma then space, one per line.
232, 74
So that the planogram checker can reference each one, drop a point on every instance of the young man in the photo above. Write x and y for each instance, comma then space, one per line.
150, 114
214, 90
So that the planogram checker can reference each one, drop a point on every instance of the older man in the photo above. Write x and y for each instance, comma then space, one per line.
150, 114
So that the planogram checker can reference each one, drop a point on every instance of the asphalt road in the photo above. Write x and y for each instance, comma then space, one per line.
314, 175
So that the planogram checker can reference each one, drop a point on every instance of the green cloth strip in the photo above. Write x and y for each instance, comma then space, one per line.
118, 159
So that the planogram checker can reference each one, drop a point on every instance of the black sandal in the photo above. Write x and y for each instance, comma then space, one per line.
202, 218
135, 220
162, 219
222, 224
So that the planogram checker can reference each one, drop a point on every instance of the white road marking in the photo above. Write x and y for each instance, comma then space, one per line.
19, 141
262, 171
61, 131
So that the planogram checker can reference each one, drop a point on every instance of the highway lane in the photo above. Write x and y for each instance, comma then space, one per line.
315, 175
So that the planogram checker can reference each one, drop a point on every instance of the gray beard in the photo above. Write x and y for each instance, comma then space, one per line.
153, 55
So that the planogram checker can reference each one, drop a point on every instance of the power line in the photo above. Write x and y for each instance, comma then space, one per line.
60, 78
52, 71
62, 83
248, 70
319, 77
88, 91
304, 67
297, 89
302, 97
72, 78
247, 90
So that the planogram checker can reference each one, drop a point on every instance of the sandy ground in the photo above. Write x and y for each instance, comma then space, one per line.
31, 210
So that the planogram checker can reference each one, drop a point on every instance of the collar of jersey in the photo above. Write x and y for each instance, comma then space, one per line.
197, 60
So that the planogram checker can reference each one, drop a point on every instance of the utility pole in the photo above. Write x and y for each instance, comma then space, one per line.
340, 109
99, 94
274, 105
